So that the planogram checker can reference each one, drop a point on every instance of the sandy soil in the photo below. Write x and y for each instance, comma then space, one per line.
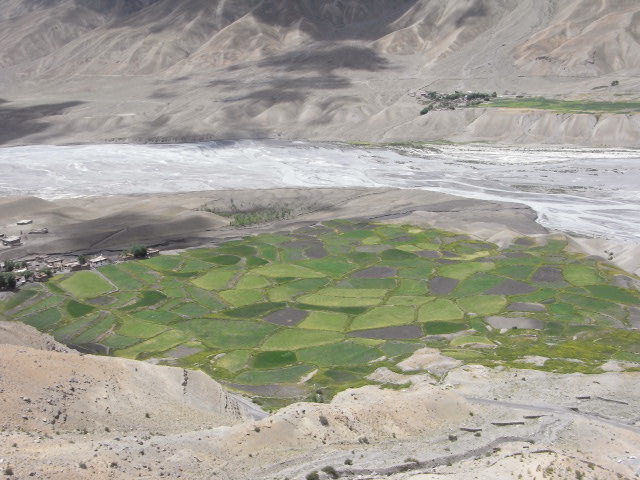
85, 71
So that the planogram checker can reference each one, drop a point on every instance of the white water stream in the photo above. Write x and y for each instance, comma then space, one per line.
594, 193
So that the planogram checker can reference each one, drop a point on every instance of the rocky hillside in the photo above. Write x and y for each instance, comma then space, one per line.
154, 69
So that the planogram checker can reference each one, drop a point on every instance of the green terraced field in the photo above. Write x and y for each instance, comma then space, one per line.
306, 315
565, 106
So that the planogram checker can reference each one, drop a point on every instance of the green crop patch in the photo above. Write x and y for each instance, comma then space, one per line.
77, 309
86, 285
439, 309
274, 359
297, 338
43, 320
332, 321
92, 334
136, 328
121, 279
386, 316
234, 361
239, 298
331, 299
483, 304
443, 328
393, 349
268, 377
43, 304
191, 310
215, 280
463, 270
326, 301
161, 343
228, 334
149, 298
287, 271
157, 316
164, 262
254, 311
339, 354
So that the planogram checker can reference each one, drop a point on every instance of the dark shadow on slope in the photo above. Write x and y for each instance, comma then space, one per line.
478, 9
335, 19
18, 122
327, 60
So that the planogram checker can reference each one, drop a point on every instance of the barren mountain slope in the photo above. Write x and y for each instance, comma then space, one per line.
90, 70
46, 388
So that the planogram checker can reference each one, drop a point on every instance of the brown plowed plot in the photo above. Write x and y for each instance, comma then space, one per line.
548, 275
376, 272
515, 322
387, 333
316, 251
289, 317
443, 285
526, 307
511, 287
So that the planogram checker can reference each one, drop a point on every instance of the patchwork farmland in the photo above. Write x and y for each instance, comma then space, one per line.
303, 315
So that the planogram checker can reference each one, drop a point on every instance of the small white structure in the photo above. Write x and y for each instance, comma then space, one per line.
98, 261
153, 252
11, 241
25, 222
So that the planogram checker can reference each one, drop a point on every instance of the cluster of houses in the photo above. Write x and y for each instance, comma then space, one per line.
42, 267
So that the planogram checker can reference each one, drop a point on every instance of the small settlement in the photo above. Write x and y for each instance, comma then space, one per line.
41, 268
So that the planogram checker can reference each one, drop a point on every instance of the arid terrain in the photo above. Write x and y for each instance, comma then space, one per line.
350, 70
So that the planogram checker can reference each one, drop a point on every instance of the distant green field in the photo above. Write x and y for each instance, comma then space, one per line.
266, 315
565, 106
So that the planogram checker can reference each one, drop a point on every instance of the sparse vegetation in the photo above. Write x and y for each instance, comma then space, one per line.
332, 472
313, 476
252, 215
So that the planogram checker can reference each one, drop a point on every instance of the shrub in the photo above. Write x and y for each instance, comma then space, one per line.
324, 421
331, 472
348, 461
82, 260
615, 83
313, 476
139, 251
9, 265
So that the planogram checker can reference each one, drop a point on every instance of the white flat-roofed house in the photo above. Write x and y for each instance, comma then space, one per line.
153, 252
98, 261
25, 222
55, 262
11, 241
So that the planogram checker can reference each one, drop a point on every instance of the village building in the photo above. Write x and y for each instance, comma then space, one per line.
39, 231
11, 241
40, 277
76, 266
98, 261
153, 252
55, 262
25, 222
